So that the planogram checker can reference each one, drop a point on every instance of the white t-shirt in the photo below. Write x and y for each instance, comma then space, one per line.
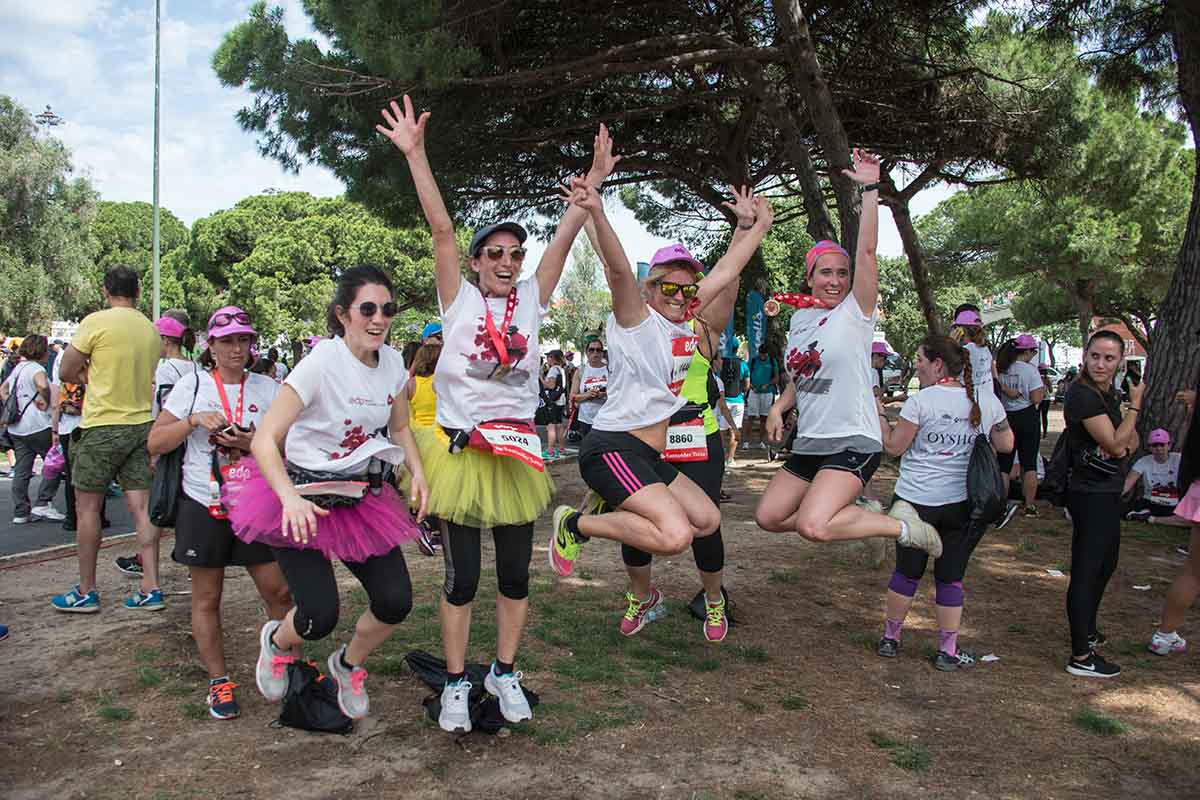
933, 471
591, 378
981, 368
561, 374
1023, 376
1161, 480
34, 420
260, 392
346, 409
169, 373
67, 423
647, 364
470, 383
828, 357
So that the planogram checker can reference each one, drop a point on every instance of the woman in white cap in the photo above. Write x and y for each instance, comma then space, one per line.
216, 414
484, 456
837, 446
1021, 391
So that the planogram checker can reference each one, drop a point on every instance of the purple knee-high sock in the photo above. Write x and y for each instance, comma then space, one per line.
891, 629
949, 642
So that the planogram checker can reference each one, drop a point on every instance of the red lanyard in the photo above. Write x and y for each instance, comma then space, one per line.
947, 379
225, 400
490, 324
800, 300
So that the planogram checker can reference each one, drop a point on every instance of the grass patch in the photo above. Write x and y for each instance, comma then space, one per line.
148, 677
179, 689
86, 652
784, 576
1154, 534
194, 710
883, 741
145, 655
912, 757
1027, 545
1017, 627
64, 696
751, 706
864, 639
795, 702
1093, 721
752, 653
116, 713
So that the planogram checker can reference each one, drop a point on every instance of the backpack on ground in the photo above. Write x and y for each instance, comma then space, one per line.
311, 701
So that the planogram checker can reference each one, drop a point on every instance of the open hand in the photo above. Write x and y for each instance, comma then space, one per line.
866, 167
419, 495
603, 160
404, 128
300, 518
774, 426
1187, 397
764, 214
742, 205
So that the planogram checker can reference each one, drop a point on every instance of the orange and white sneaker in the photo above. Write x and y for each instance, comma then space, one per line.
639, 612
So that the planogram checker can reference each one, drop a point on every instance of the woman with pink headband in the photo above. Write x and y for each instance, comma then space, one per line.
837, 446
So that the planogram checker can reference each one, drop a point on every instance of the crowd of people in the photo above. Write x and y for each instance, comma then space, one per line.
358, 448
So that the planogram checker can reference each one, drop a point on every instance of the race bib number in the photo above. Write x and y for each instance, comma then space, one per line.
509, 440
686, 442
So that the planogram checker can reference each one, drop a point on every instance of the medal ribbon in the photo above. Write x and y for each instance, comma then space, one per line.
225, 400
490, 324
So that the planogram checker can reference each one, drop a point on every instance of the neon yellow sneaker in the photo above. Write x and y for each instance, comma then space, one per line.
563, 547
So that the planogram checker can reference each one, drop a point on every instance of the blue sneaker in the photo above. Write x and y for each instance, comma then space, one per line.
221, 702
3, 632
148, 602
77, 603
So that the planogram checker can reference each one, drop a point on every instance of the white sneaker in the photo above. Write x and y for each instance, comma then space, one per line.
1163, 644
47, 512
20, 520
456, 712
513, 703
921, 534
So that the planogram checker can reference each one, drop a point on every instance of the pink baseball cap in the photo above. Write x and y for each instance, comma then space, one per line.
676, 252
168, 326
1025, 342
968, 317
1159, 436
819, 249
879, 348
229, 321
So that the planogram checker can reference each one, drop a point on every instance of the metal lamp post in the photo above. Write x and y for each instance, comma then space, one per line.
157, 18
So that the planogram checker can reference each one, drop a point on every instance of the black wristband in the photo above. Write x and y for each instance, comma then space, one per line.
870, 187
1134, 408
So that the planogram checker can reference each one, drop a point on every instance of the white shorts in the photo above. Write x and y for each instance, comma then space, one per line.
737, 411
759, 403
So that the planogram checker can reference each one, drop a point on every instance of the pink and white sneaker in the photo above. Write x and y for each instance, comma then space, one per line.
639, 612
716, 624
1164, 644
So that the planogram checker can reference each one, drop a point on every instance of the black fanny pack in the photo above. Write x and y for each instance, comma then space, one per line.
1101, 465
300, 476
689, 412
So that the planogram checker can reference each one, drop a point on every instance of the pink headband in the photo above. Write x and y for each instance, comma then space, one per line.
819, 249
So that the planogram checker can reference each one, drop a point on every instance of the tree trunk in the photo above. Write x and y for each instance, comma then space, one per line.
831, 135
916, 265
1174, 356
819, 225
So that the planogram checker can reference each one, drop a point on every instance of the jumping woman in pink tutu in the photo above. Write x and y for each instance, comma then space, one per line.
341, 414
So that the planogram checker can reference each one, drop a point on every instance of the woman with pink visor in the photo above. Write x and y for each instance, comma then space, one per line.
837, 445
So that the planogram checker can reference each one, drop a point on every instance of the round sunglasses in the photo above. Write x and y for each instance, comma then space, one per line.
368, 309
495, 252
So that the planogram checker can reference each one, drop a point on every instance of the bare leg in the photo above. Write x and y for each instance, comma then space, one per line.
207, 585
510, 621
777, 508
949, 617
711, 581
369, 633
1029, 486
87, 536
639, 580
272, 588
456, 632
1184, 589
147, 536
897, 606
828, 514
657, 518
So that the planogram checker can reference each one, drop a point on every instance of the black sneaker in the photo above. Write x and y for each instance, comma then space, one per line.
129, 565
726, 496
1031, 511
1009, 513
1096, 640
1184, 551
945, 662
429, 540
1093, 667
1138, 516
888, 648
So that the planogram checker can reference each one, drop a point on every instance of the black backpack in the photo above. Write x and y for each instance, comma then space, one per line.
311, 701
12, 411
731, 376
1058, 473
985, 486
550, 396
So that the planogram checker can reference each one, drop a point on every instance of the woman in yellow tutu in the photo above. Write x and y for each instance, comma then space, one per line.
484, 455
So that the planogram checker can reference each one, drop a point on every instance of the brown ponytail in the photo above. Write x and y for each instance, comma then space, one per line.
957, 362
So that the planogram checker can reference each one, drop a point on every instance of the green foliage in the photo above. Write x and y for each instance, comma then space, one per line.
582, 305
123, 233
1099, 723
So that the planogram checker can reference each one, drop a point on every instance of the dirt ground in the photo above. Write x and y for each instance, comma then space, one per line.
794, 703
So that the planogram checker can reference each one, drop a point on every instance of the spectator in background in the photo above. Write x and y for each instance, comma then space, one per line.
879, 355
1044, 405
554, 397
432, 332
764, 385
735, 375
31, 434
279, 370
1159, 474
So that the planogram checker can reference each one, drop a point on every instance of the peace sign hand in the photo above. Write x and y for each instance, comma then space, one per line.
404, 128
866, 167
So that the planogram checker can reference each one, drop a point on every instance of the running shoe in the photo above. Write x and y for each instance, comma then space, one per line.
1097, 640
456, 712
20, 520
514, 705
1163, 644
77, 603
945, 662
1094, 666
726, 496
564, 549
1138, 516
271, 673
1184, 551
888, 648
351, 686
146, 601
921, 534
47, 512
428, 541
130, 565
1031, 511
635, 616
221, 702
716, 624
1009, 512
3, 632
547, 455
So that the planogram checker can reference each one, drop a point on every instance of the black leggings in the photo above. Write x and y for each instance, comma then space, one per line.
314, 589
709, 551
1044, 410
1027, 430
957, 546
461, 550
1095, 547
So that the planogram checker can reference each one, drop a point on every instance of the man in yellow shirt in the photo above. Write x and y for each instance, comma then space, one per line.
114, 352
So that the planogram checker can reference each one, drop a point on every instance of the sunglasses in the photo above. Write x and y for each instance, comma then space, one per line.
670, 289
495, 252
225, 318
368, 309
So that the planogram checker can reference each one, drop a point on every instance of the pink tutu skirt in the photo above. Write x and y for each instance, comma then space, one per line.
1189, 506
376, 525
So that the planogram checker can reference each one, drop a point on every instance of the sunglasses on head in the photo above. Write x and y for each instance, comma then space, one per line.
368, 309
670, 289
226, 318
496, 252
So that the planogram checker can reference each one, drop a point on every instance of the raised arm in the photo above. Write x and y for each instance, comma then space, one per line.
714, 307
407, 131
628, 306
866, 268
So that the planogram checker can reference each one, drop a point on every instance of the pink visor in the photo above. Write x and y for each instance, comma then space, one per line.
1025, 342
167, 326
1159, 436
676, 252
229, 321
819, 249
968, 317
880, 349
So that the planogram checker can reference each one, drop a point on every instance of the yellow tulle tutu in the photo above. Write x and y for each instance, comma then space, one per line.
479, 489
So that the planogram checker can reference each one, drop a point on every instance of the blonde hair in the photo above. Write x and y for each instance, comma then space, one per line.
657, 273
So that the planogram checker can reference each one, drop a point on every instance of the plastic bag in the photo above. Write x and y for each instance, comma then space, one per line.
985, 486
53, 464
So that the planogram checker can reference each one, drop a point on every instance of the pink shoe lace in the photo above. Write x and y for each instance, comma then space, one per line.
279, 664
357, 678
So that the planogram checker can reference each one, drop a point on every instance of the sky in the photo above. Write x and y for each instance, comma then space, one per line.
93, 62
